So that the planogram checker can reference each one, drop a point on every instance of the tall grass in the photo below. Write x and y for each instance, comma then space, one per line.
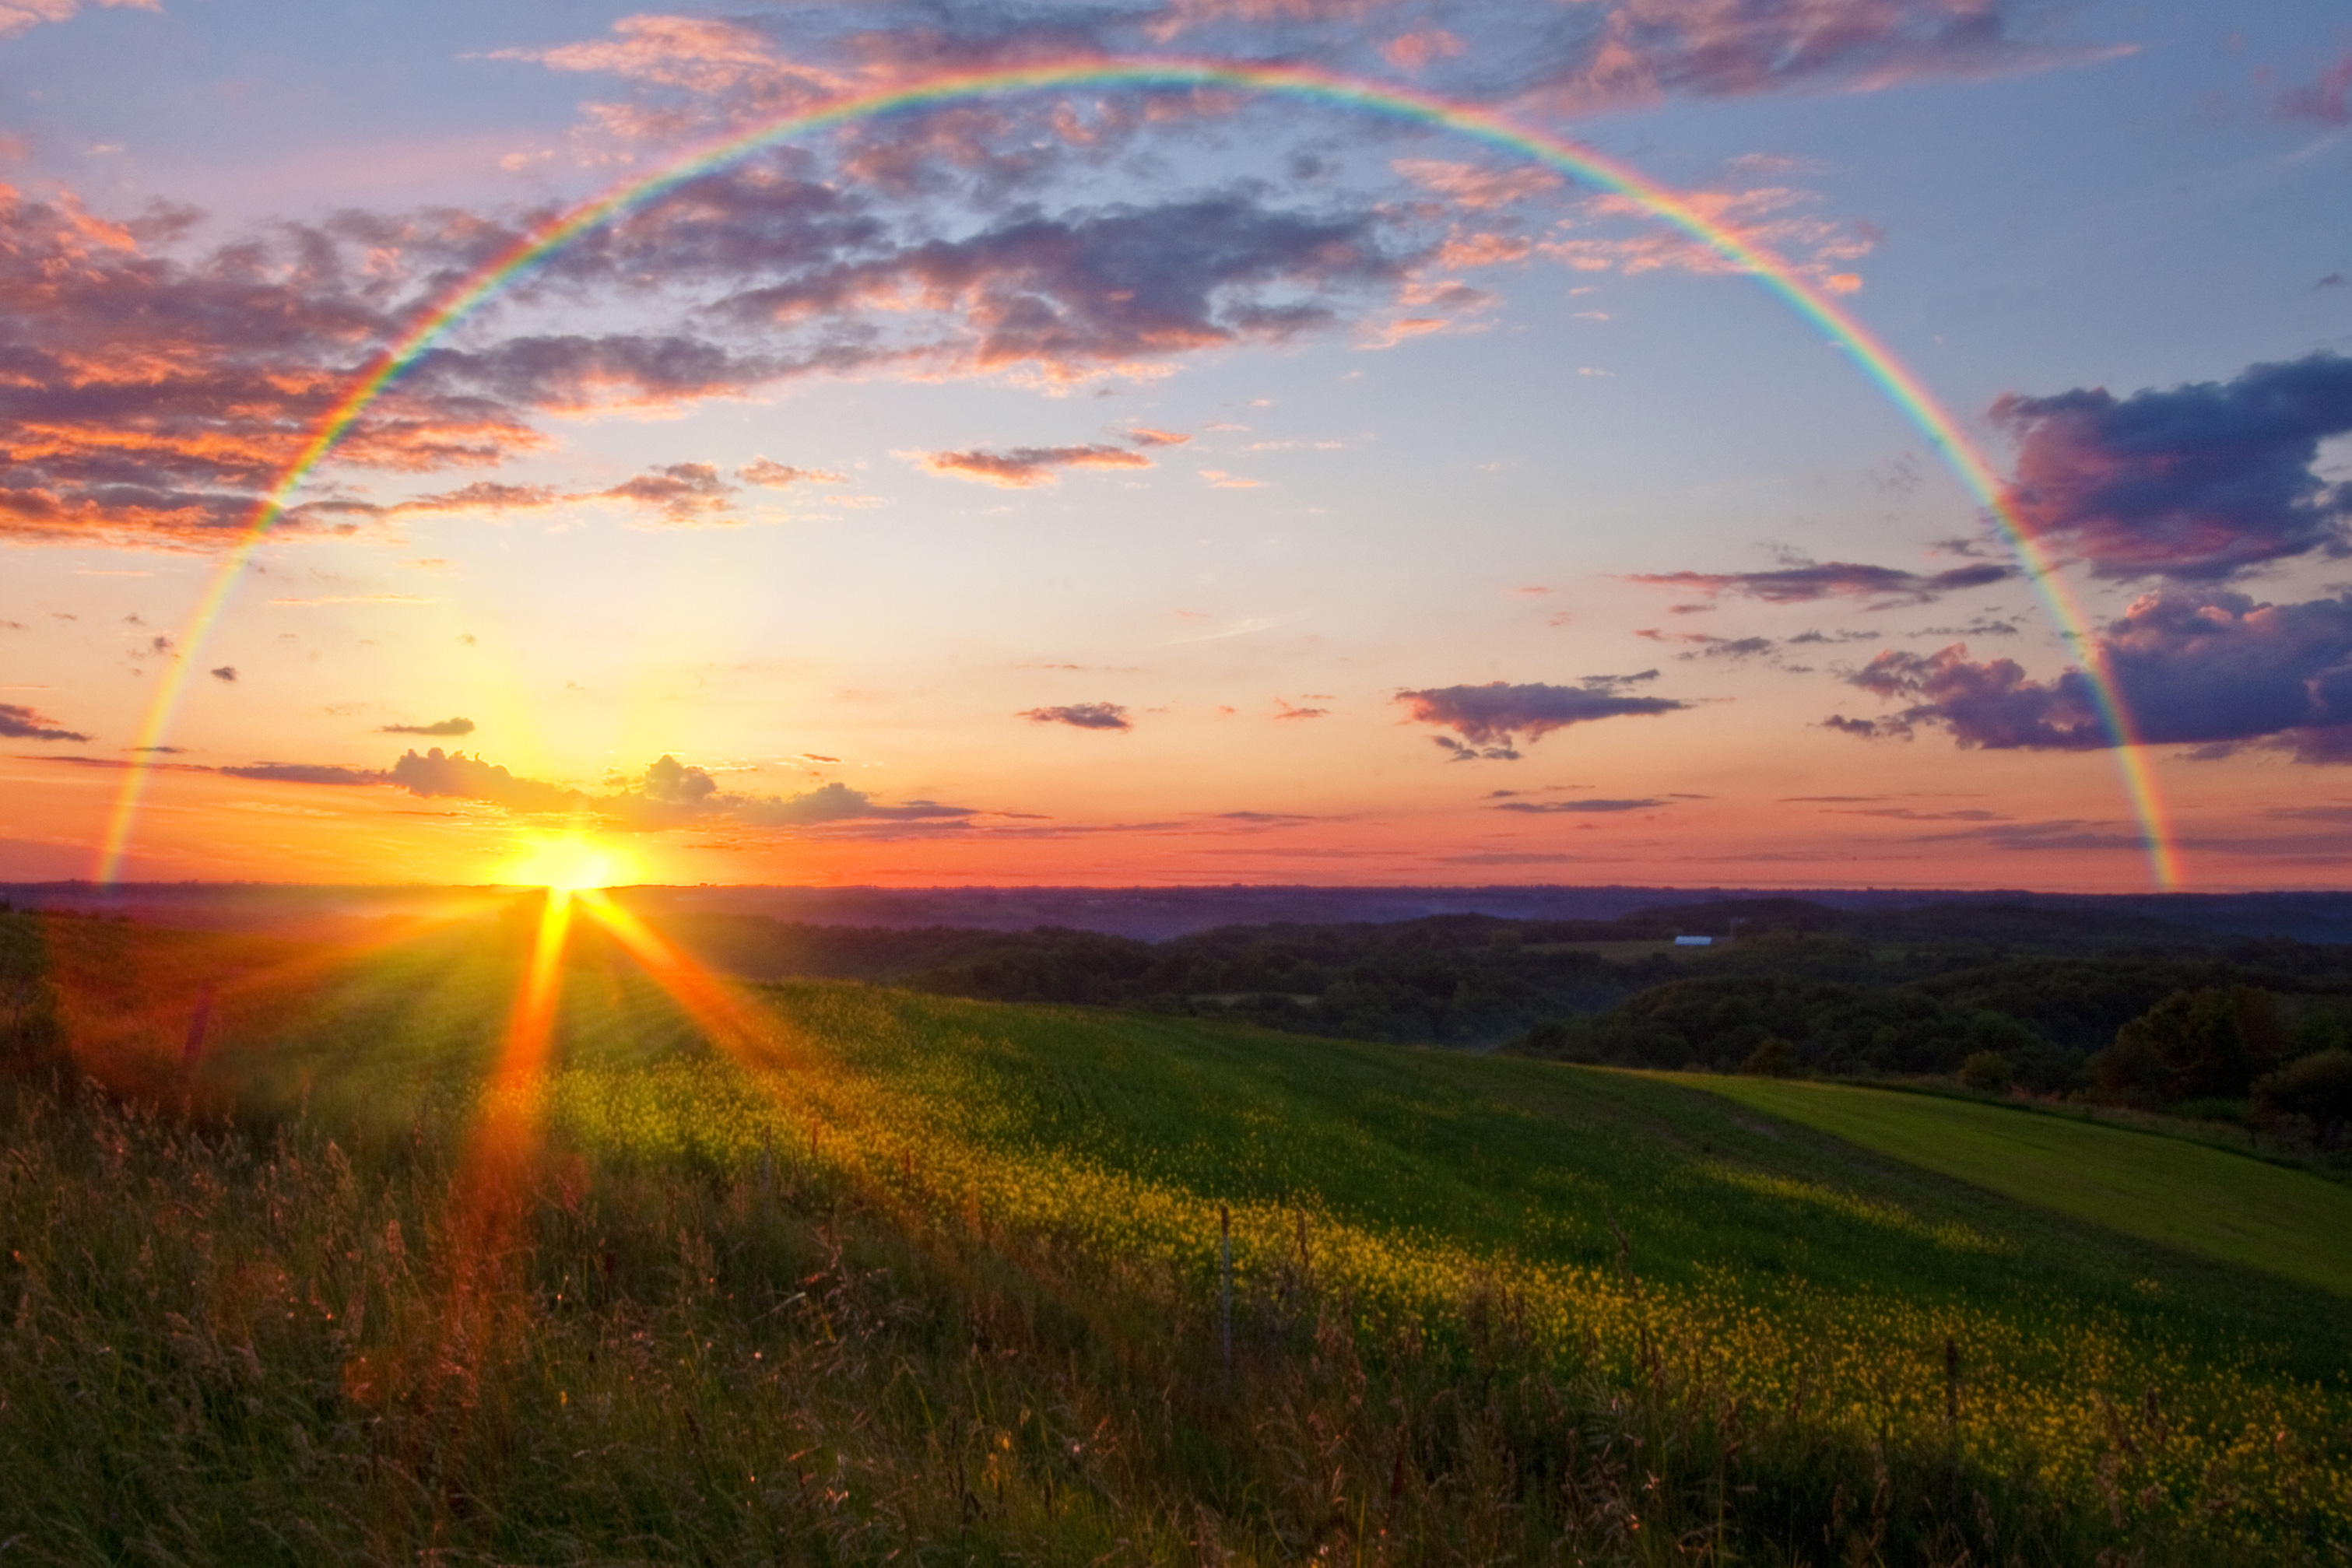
260, 1318
219, 1351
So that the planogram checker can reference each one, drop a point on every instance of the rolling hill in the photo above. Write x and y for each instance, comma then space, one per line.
409, 1257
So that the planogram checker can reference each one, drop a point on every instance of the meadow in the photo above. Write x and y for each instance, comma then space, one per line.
473, 1248
2187, 1197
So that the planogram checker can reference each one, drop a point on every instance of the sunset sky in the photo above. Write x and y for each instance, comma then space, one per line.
1102, 483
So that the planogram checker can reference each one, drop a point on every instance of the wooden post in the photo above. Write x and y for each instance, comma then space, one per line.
192, 1052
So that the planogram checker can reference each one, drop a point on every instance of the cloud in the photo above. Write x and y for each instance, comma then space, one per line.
16, 16
1737, 649
2325, 100
693, 75
1907, 815
1144, 436
1072, 294
777, 475
447, 726
1543, 807
225, 673
1081, 716
150, 398
20, 722
1489, 716
1886, 586
455, 776
678, 494
2202, 668
1639, 51
1869, 728
2198, 483
1773, 219
1024, 467
306, 773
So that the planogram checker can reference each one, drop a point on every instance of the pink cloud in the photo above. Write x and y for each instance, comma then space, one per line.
1025, 467
1413, 51
16, 16
2325, 100
1769, 218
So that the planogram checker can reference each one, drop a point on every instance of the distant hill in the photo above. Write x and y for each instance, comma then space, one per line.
1155, 914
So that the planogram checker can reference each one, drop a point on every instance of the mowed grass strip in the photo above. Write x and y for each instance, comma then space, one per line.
2161, 1189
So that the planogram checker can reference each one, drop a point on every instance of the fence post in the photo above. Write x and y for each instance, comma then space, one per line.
192, 1052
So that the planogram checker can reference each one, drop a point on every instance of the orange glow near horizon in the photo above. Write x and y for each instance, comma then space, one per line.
570, 863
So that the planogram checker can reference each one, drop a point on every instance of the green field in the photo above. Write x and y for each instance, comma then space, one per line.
2176, 1193
954, 1266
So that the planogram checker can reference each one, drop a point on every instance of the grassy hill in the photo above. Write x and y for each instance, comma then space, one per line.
819, 1271
2180, 1196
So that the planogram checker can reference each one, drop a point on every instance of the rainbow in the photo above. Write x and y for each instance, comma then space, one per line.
1904, 388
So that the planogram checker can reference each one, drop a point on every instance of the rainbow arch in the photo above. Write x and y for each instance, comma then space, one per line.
1904, 388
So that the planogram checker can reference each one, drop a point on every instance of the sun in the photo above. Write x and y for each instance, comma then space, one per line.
568, 864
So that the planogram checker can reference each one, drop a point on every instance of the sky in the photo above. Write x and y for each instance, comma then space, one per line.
1214, 481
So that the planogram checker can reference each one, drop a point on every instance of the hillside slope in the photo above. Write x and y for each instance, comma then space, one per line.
2175, 1194
540, 1291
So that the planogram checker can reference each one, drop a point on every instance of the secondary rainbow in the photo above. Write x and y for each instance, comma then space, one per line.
1975, 472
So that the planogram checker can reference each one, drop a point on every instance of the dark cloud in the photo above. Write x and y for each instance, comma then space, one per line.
147, 398
1082, 716
1886, 586
836, 802
455, 776
2063, 834
226, 674
446, 726
308, 773
672, 794
1869, 728
1087, 291
1489, 716
1636, 52
831, 802
693, 76
675, 783
1983, 626
1581, 807
1503, 751
150, 398
1706, 647
572, 373
2211, 668
1024, 467
20, 722
2196, 483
